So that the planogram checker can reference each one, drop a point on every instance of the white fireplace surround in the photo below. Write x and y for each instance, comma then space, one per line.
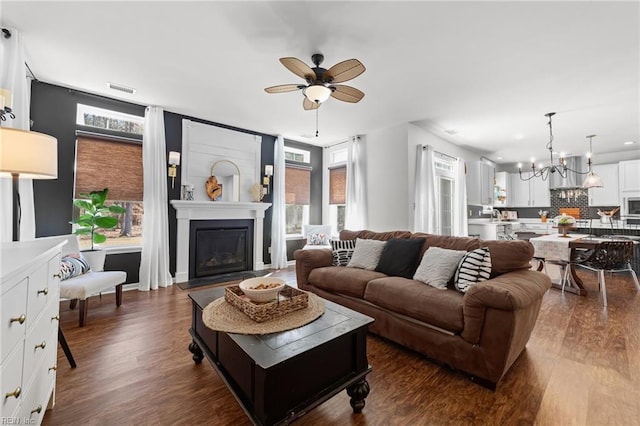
186, 211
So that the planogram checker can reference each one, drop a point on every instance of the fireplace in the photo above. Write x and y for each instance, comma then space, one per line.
220, 247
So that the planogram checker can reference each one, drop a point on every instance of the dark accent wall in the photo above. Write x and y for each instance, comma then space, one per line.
53, 112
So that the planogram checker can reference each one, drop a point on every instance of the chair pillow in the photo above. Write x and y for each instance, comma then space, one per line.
73, 265
341, 251
474, 267
366, 254
438, 266
400, 256
317, 239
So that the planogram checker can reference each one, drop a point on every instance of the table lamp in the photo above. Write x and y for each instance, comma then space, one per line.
29, 155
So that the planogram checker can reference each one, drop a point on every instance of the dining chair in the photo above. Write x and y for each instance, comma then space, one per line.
608, 256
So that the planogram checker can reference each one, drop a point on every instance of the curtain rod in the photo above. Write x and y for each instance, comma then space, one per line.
440, 153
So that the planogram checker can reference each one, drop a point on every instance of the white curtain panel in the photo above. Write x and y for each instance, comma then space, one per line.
424, 212
13, 77
278, 223
356, 208
154, 262
460, 220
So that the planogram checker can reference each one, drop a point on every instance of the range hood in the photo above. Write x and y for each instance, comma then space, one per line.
573, 180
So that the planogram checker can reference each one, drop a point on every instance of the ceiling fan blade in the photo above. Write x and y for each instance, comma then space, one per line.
299, 68
283, 88
347, 94
344, 71
308, 105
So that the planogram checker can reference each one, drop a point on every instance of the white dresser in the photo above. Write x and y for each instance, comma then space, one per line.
29, 303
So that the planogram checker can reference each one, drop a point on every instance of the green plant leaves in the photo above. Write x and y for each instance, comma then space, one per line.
99, 238
117, 210
106, 222
96, 215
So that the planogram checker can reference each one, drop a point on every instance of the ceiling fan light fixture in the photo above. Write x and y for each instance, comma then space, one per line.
317, 93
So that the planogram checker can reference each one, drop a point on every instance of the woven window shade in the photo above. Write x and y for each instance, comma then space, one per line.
338, 185
297, 182
109, 164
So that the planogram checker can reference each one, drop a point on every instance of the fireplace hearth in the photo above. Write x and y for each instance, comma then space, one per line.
220, 247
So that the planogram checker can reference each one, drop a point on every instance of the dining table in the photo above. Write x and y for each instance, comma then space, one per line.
564, 251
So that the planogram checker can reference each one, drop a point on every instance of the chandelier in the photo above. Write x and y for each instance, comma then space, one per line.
561, 168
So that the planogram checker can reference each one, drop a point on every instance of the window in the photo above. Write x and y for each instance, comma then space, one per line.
104, 161
445, 187
297, 189
337, 188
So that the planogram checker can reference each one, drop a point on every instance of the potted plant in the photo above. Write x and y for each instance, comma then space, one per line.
564, 222
95, 216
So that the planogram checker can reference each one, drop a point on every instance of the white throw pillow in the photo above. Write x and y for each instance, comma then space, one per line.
366, 254
438, 266
475, 267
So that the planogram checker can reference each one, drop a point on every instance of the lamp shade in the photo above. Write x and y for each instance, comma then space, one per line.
32, 155
592, 181
317, 93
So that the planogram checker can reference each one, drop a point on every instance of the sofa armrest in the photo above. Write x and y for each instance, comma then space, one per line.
308, 260
513, 291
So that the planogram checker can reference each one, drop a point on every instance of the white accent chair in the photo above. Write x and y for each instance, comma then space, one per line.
317, 229
88, 284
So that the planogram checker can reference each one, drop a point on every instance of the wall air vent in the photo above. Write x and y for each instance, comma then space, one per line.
121, 88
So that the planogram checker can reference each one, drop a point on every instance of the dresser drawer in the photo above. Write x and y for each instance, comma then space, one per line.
38, 294
11, 382
13, 311
39, 387
38, 340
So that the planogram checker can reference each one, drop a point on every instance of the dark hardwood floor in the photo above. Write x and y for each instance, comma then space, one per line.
581, 367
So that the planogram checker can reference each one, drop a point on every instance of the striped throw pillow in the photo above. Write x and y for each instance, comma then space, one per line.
72, 265
474, 267
341, 251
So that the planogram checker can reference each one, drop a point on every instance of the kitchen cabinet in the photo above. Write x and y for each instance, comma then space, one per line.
629, 176
607, 195
500, 189
480, 176
530, 193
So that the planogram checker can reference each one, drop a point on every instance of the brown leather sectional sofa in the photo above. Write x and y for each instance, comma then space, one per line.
480, 332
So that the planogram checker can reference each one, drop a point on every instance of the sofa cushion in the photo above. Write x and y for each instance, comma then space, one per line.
509, 255
399, 257
438, 266
91, 283
338, 279
345, 234
341, 251
448, 242
474, 268
416, 300
366, 254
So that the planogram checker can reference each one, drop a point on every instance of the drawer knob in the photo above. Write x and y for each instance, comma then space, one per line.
21, 319
41, 345
44, 291
58, 275
56, 318
37, 410
54, 368
16, 393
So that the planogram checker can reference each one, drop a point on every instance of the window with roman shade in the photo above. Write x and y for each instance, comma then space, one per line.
297, 185
337, 185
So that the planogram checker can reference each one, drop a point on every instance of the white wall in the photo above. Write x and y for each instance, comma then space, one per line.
387, 180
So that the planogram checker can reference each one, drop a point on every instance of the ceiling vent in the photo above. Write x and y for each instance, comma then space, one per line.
121, 88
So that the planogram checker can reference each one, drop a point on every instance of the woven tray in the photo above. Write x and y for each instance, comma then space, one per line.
289, 299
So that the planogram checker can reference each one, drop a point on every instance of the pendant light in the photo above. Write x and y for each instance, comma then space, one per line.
592, 180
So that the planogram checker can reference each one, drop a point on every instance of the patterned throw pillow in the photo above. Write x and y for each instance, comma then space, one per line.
342, 251
317, 239
474, 267
366, 254
73, 265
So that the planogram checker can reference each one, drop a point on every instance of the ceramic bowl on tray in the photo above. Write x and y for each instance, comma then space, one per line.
262, 289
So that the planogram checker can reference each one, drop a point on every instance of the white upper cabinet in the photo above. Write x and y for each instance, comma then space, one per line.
531, 193
629, 176
607, 195
480, 175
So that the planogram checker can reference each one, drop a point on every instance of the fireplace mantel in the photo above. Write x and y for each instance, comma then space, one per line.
187, 211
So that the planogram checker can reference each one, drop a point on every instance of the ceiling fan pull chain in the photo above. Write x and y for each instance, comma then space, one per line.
317, 112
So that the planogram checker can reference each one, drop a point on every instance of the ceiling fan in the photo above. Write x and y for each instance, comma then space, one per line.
321, 82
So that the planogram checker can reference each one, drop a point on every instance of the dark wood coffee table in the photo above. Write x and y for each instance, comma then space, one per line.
279, 377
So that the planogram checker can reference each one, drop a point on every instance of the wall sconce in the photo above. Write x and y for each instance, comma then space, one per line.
5, 105
174, 162
266, 180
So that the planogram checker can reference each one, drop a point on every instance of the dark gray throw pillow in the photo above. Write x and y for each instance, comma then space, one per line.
400, 257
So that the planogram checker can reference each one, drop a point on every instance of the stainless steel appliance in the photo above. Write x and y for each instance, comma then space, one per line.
631, 207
